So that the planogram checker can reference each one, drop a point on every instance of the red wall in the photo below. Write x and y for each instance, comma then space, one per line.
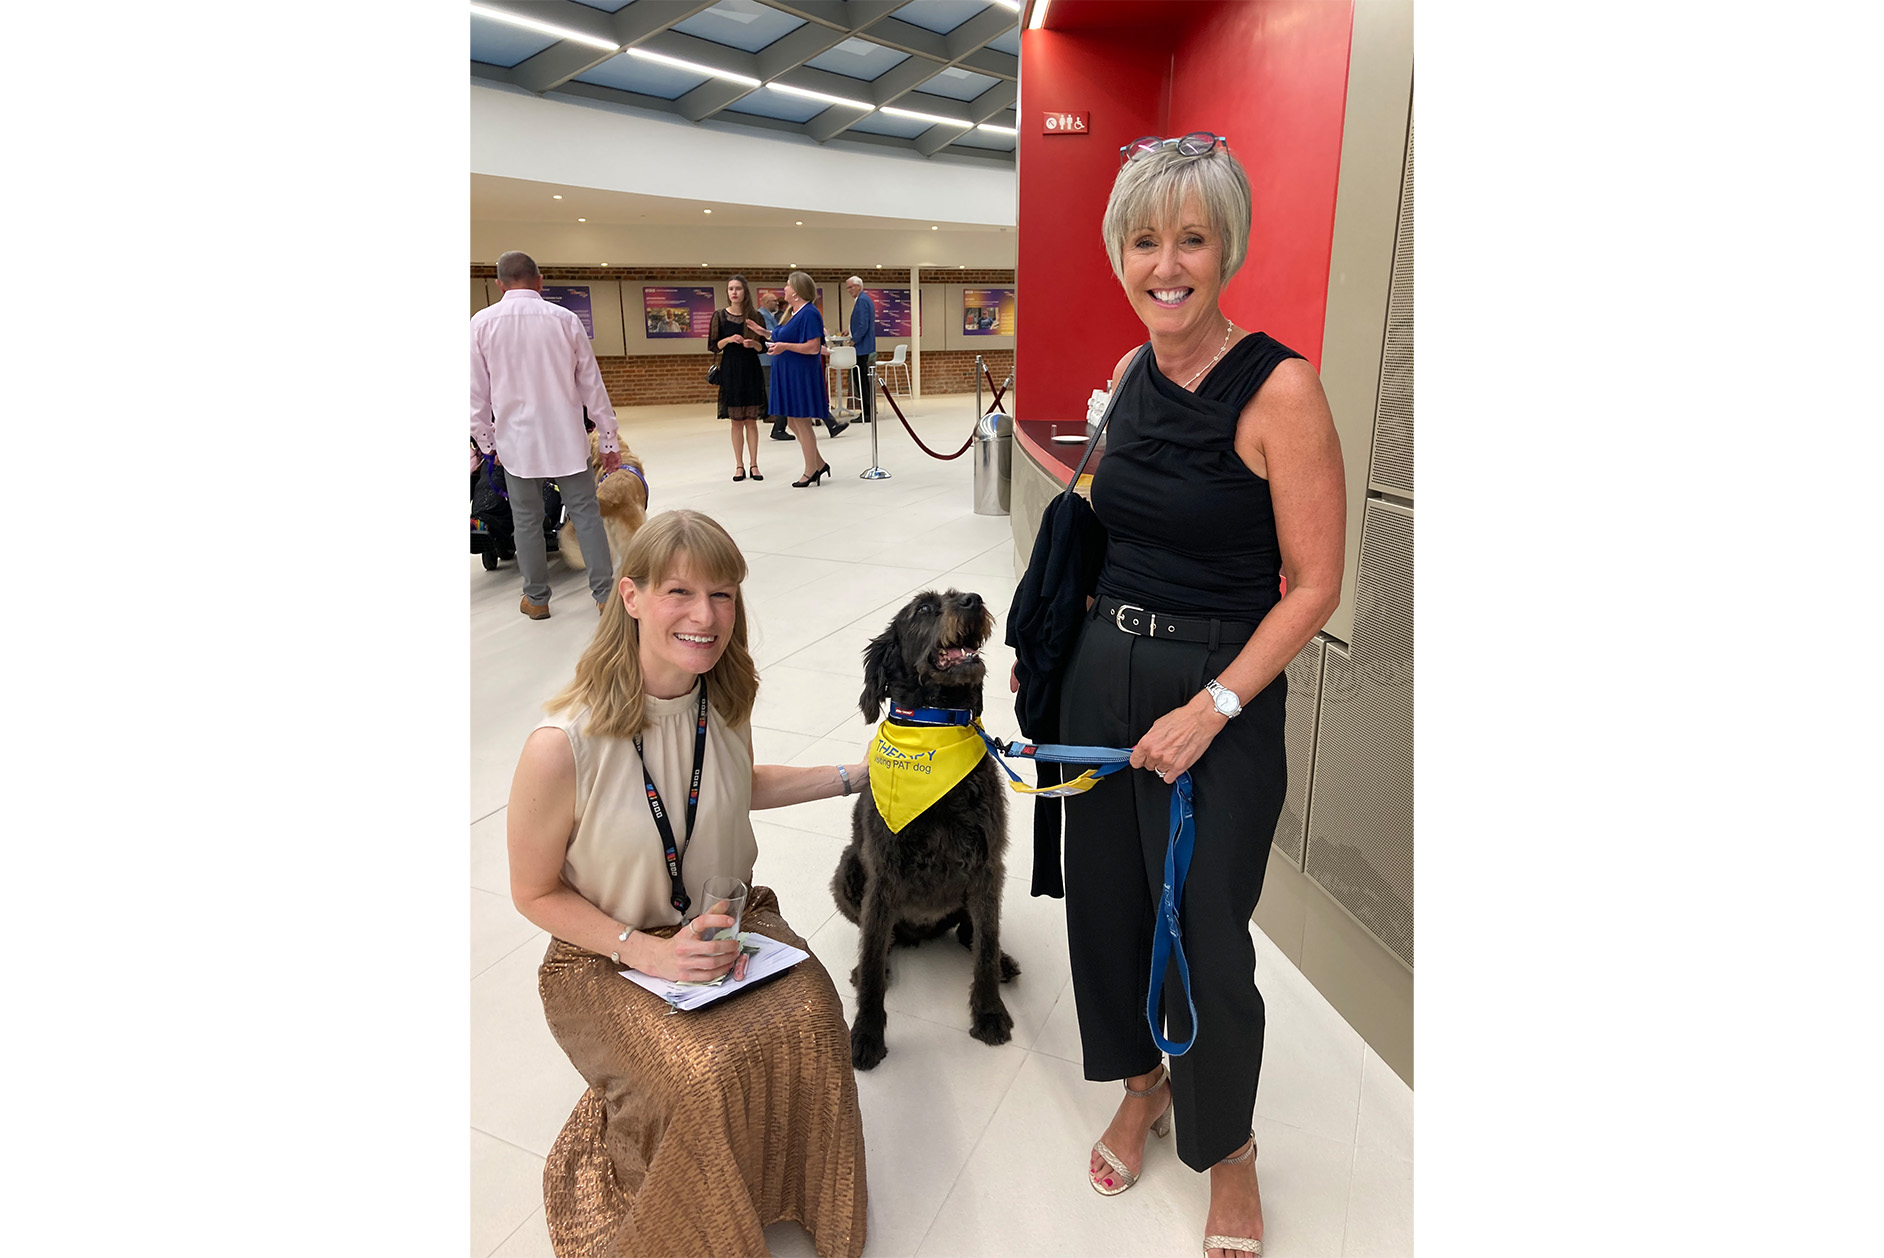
1269, 74
1273, 76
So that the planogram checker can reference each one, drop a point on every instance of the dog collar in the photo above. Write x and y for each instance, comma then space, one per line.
930, 716
630, 468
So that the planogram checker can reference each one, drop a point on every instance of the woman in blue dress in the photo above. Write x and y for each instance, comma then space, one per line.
797, 387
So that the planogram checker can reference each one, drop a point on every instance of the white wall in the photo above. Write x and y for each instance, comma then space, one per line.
522, 136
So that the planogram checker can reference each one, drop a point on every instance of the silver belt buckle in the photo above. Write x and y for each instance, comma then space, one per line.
1118, 618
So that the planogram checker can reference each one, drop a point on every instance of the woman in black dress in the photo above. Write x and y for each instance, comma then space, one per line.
1222, 474
739, 338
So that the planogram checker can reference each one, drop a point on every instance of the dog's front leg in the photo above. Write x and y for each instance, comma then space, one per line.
990, 1021
873, 952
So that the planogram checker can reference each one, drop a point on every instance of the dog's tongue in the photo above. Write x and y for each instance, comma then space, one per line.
950, 656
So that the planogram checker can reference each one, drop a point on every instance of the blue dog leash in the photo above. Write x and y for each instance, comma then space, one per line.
1167, 944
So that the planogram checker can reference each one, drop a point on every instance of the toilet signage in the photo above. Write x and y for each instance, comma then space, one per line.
1066, 124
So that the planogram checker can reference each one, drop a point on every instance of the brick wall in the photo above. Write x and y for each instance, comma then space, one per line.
953, 370
664, 379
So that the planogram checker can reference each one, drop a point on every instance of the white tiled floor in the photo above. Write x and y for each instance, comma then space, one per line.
972, 1150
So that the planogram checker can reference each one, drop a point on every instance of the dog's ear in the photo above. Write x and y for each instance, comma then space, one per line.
878, 659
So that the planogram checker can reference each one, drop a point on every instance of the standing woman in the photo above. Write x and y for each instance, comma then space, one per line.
798, 390
699, 1129
742, 380
1222, 473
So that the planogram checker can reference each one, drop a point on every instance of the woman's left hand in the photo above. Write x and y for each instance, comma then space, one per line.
1179, 738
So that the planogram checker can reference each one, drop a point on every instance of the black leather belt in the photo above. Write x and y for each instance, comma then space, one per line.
1134, 619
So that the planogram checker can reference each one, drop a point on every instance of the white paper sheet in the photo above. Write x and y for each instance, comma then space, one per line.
766, 958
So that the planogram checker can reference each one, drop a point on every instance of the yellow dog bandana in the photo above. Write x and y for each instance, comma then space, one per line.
912, 766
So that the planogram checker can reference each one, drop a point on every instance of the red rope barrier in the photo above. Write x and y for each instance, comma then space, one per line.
999, 392
891, 398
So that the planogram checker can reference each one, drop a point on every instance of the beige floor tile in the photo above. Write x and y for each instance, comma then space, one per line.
1386, 1122
530, 1240
497, 930
490, 859
506, 1188
1380, 1207
522, 1087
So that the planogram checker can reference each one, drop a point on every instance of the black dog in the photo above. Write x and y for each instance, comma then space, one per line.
944, 868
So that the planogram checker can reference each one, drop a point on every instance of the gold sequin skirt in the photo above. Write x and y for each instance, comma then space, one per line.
698, 1129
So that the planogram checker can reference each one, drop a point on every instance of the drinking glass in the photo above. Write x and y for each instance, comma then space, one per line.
728, 896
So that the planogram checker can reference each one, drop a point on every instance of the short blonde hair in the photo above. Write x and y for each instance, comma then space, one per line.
802, 285
1151, 190
608, 679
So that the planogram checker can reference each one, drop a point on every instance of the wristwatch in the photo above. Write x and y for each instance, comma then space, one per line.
1223, 697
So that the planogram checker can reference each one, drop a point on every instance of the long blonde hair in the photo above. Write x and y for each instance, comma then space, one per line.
608, 679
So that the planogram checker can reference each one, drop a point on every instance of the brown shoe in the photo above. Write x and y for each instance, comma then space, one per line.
535, 611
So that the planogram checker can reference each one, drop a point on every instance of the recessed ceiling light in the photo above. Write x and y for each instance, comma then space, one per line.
694, 66
962, 266
826, 97
879, 266
801, 222
706, 211
545, 28
556, 196
934, 118
989, 126
582, 220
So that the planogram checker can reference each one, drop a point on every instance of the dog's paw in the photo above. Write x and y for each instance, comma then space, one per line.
991, 1026
1010, 968
856, 972
867, 1047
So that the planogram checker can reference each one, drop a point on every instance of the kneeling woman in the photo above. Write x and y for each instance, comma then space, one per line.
698, 1129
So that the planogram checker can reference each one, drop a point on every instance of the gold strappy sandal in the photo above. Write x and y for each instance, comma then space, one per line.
1241, 1244
1160, 1126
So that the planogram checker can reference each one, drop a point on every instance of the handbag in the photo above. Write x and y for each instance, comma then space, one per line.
713, 372
1043, 624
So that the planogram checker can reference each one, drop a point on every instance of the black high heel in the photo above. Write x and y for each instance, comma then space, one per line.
740, 477
755, 474
814, 478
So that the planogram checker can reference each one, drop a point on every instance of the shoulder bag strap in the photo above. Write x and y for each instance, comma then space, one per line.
1106, 416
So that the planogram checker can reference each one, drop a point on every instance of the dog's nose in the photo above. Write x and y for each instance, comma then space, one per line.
970, 602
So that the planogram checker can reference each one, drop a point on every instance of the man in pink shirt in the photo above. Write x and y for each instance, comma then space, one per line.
532, 372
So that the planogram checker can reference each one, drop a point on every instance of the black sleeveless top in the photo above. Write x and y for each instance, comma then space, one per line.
1191, 529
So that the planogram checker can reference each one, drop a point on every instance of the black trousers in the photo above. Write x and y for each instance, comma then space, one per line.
1117, 685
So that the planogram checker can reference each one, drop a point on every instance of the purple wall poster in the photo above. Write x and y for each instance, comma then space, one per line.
678, 312
987, 312
576, 301
892, 310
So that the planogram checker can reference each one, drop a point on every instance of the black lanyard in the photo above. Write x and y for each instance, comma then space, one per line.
681, 899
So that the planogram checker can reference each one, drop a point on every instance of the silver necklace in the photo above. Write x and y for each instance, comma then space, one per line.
1227, 327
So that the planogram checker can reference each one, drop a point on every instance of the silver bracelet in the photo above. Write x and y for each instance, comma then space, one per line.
843, 776
623, 937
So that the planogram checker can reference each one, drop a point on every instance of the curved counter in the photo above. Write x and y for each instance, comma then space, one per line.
1042, 467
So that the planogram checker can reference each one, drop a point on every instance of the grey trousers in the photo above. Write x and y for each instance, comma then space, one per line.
526, 509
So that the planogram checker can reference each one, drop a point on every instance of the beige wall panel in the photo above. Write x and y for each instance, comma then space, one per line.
1282, 913
605, 308
1365, 983
1360, 266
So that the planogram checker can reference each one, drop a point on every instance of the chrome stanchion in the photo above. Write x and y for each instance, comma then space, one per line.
874, 472
980, 367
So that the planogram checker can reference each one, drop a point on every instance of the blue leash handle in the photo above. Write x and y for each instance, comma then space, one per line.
1167, 943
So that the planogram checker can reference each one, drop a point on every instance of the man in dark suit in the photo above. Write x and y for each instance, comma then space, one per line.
863, 336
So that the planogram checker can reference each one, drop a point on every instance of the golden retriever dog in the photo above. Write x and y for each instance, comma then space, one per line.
623, 498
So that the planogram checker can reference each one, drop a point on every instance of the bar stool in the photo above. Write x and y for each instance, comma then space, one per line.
899, 359
846, 403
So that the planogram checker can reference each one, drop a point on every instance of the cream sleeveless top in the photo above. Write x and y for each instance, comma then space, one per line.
615, 859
